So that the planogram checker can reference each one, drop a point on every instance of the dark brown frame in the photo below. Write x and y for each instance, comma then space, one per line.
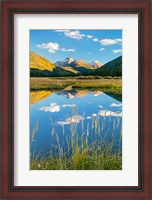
10, 7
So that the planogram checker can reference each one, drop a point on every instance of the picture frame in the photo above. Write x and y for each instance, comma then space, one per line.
9, 9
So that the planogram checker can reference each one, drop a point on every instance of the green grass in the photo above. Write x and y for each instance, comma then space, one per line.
80, 160
78, 152
109, 85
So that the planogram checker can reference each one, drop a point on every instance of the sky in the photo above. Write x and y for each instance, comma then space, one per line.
88, 45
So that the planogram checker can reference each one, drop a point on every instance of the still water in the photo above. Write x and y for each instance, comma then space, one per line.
55, 115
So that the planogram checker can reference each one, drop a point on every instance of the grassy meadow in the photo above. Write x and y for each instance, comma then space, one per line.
104, 84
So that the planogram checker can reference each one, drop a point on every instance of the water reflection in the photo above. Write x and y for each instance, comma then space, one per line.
36, 96
53, 107
58, 114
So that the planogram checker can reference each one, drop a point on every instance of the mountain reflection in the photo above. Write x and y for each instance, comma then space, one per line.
36, 96
116, 96
70, 94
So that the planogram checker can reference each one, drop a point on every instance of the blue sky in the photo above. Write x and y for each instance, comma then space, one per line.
88, 45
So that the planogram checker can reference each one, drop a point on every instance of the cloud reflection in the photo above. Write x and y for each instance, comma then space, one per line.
52, 108
109, 113
68, 105
89, 117
100, 106
116, 105
71, 120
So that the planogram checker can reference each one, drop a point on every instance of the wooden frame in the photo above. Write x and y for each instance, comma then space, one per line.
12, 7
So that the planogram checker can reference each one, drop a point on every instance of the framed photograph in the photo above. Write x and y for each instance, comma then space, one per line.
75, 81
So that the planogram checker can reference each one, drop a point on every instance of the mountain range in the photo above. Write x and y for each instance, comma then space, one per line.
42, 67
72, 65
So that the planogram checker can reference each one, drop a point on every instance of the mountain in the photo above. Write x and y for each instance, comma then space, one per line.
41, 67
39, 62
56, 72
80, 63
112, 68
96, 64
74, 66
71, 69
65, 62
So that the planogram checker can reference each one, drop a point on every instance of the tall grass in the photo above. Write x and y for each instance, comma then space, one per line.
90, 146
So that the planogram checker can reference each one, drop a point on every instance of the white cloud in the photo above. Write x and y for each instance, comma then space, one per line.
117, 51
67, 50
116, 105
118, 40
101, 49
62, 30
109, 113
51, 51
68, 105
74, 34
89, 36
52, 47
95, 39
71, 120
52, 108
108, 42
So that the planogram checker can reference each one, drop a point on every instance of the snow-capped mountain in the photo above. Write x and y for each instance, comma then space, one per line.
96, 64
67, 61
